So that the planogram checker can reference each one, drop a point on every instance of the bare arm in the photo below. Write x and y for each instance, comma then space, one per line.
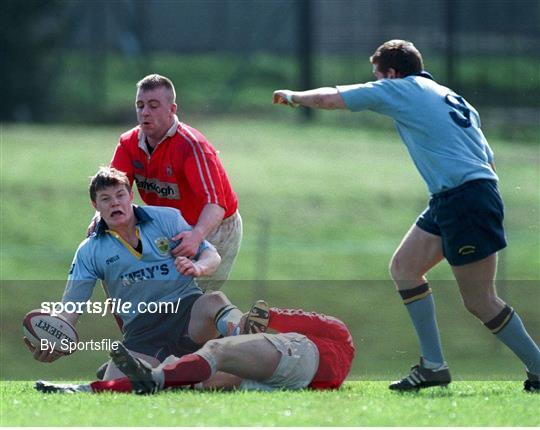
320, 98
210, 217
207, 264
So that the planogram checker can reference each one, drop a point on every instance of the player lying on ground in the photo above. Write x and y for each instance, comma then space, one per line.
130, 252
464, 219
309, 350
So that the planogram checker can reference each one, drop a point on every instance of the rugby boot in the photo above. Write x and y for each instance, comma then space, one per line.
257, 318
532, 384
50, 387
422, 377
138, 371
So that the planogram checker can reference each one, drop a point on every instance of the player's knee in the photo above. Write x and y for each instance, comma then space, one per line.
213, 346
398, 268
209, 303
217, 348
217, 298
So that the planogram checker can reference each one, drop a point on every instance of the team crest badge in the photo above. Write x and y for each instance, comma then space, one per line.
162, 245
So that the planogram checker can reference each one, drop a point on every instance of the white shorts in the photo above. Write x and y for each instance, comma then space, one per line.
297, 367
226, 238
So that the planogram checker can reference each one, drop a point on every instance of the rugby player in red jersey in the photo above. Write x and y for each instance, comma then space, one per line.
174, 165
308, 350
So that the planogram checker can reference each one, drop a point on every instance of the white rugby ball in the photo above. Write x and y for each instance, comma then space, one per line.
55, 329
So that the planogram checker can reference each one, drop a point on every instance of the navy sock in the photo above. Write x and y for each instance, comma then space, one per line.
509, 329
421, 307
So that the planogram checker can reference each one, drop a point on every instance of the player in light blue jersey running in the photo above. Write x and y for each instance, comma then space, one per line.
464, 219
131, 253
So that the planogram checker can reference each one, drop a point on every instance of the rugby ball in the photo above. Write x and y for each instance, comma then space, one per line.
58, 333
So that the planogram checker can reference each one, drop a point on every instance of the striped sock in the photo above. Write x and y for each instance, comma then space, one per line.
509, 329
227, 320
421, 307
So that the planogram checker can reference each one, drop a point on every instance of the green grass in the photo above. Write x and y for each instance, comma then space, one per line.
355, 404
335, 202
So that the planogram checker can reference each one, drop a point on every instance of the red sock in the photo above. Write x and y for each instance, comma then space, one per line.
190, 369
120, 385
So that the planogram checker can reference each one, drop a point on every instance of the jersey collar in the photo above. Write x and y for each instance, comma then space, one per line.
170, 132
141, 216
424, 74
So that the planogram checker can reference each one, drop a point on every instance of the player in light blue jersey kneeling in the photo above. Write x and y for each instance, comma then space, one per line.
464, 219
130, 252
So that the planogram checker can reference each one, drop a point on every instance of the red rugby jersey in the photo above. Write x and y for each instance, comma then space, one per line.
183, 171
331, 337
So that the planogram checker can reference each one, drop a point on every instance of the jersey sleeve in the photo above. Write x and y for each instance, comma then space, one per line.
81, 279
122, 161
379, 96
203, 173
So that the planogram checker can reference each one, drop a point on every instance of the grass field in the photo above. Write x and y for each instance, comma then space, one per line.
323, 208
336, 200
356, 404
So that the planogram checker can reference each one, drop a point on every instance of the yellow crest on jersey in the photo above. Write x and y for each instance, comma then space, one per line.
162, 244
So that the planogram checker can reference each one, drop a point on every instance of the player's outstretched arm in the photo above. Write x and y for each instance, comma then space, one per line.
320, 98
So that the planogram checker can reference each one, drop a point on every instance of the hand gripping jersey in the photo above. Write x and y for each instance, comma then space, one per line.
183, 171
127, 274
440, 129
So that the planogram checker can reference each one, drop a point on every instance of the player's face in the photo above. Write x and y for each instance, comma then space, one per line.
115, 205
155, 112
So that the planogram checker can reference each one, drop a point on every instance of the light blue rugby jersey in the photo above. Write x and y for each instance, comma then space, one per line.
128, 275
440, 129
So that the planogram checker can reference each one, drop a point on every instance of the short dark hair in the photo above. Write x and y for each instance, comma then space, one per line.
107, 177
151, 82
400, 55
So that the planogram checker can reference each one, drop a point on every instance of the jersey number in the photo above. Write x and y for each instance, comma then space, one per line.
462, 114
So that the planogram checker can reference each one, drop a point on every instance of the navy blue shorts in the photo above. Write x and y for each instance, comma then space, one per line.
469, 219
162, 334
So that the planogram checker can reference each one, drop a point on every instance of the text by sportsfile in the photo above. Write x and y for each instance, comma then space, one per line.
66, 346
111, 305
